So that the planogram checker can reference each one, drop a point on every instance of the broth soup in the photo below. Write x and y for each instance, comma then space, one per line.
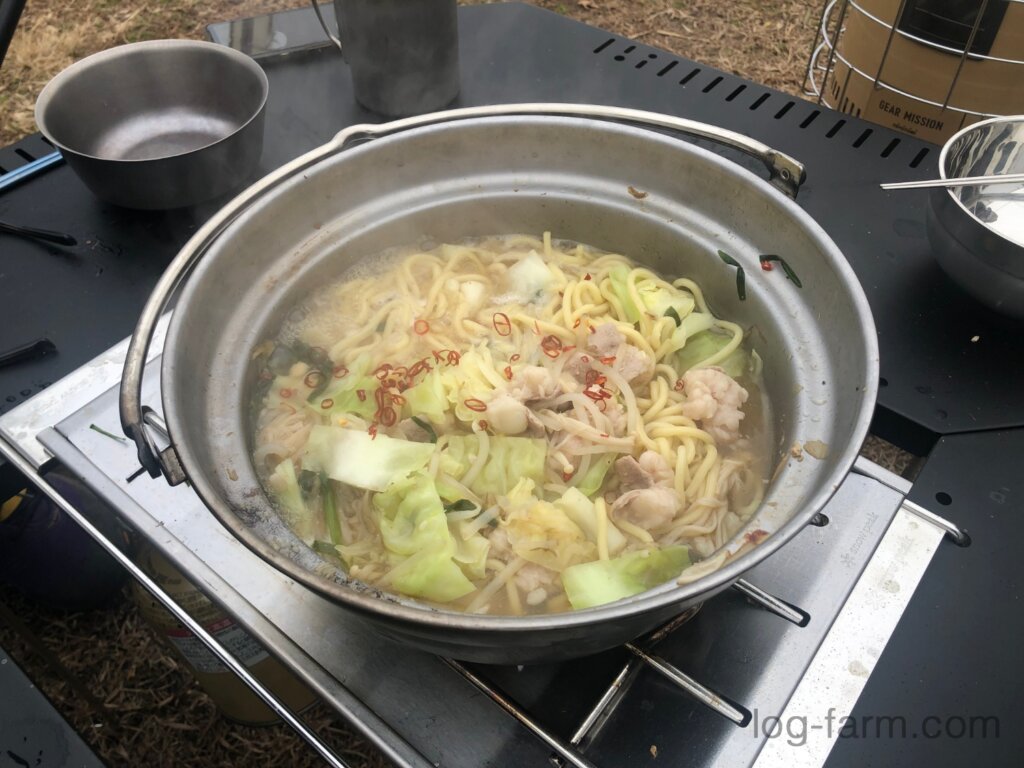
512, 425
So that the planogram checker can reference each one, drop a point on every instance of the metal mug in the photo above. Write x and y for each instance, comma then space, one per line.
404, 54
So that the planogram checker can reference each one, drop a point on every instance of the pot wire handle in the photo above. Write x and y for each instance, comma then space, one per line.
785, 173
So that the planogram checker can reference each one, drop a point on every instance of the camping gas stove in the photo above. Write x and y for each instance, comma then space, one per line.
736, 682
867, 635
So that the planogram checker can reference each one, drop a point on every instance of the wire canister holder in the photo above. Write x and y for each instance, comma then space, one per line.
923, 67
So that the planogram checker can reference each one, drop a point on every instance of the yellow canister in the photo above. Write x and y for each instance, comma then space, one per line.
233, 698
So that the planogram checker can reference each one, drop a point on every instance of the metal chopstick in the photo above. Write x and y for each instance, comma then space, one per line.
967, 181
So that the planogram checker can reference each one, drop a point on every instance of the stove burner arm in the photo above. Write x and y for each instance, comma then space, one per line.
700, 692
565, 751
771, 603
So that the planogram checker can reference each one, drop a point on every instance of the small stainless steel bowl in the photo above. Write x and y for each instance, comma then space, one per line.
160, 124
977, 232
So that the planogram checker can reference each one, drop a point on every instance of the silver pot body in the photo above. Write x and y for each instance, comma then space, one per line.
977, 232
512, 174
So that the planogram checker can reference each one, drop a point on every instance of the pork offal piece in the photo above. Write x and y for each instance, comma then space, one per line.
647, 508
534, 382
649, 471
714, 400
607, 341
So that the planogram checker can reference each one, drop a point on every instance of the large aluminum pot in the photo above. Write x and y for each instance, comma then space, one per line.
522, 168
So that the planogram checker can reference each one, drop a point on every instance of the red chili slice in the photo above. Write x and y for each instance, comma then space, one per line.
421, 327
551, 345
327, 403
502, 325
313, 379
419, 368
678, 385
361, 394
514, 358
508, 372
286, 392
475, 405
388, 416
340, 371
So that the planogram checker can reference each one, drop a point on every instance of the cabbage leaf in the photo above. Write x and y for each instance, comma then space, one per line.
544, 534
605, 581
428, 399
659, 299
285, 484
702, 346
593, 478
431, 575
345, 391
583, 512
354, 457
412, 523
471, 555
509, 459
619, 277
528, 279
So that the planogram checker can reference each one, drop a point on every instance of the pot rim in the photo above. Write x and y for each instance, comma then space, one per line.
67, 75
400, 609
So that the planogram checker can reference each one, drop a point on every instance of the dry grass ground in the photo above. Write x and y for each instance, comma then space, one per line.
152, 712
764, 40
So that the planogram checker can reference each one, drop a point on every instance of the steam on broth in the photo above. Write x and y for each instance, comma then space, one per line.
512, 425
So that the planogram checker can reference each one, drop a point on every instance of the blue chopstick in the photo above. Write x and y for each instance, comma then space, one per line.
29, 170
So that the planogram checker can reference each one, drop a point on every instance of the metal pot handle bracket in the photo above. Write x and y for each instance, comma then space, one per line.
784, 172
